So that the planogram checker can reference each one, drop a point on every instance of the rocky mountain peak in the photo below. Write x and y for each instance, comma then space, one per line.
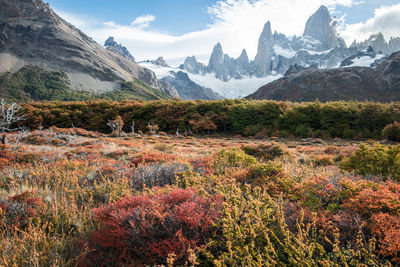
191, 65
111, 45
265, 51
243, 58
319, 26
217, 57
266, 35
28, 9
160, 61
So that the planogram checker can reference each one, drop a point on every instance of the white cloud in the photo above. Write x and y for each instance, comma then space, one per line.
143, 21
237, 24
386, 20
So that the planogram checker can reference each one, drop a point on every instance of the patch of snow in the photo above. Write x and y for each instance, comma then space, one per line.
234, 89
287, 53
310, 40
161, 72
366, 61
315, 52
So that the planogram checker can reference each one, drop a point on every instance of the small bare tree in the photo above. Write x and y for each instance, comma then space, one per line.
24, 132
9, 115
133, 127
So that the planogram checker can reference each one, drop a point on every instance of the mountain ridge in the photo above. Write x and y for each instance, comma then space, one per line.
31, 33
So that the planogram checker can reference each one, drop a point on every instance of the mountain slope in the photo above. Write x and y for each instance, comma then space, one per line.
32, 34
354, 83
189, 90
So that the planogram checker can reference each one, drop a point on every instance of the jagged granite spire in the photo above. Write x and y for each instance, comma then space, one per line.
319, 26
265, 52
217, 57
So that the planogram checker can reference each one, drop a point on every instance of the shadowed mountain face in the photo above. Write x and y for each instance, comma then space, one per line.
189, 90
355, 83
31, 33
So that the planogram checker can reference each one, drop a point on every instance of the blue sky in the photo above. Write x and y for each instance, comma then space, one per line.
173, 16
179, 28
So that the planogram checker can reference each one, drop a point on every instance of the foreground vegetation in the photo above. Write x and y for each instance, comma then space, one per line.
349, 120
33, 83
73, 197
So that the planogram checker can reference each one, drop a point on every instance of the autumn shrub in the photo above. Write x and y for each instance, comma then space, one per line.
370, 197
203, 165
156, 174
232, 158
323, 160
386, 229
255, 233
375, 160
146, 230
263, 151
26, 158
19, 210
153, 158
270, 176
6, 156
35, 140
392, 132
165, 148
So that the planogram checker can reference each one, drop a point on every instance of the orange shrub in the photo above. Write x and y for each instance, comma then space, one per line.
386, 229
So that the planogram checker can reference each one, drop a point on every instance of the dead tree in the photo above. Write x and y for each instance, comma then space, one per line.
9, 115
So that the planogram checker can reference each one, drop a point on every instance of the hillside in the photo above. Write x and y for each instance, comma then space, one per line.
350, 83
32, 34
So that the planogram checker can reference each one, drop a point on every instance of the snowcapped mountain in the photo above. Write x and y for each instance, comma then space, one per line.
320, 45
206, 82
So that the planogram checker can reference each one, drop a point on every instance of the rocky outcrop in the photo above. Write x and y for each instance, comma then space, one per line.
31, 33
118, 49
151, 79
296, 68
160, 61
368, 58
189, 90
192, 66
354, 83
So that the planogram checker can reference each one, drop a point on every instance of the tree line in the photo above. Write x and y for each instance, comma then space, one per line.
245, 117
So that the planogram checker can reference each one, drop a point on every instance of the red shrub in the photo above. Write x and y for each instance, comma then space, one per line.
146, 229
204, 165
20, 209
153, 158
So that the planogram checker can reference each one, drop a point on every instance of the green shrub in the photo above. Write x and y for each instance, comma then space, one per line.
323, 160
303, 132
265, 152
232, 158
375, 160
392, 132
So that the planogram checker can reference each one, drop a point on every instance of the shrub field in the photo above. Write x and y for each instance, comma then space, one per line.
73, 197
